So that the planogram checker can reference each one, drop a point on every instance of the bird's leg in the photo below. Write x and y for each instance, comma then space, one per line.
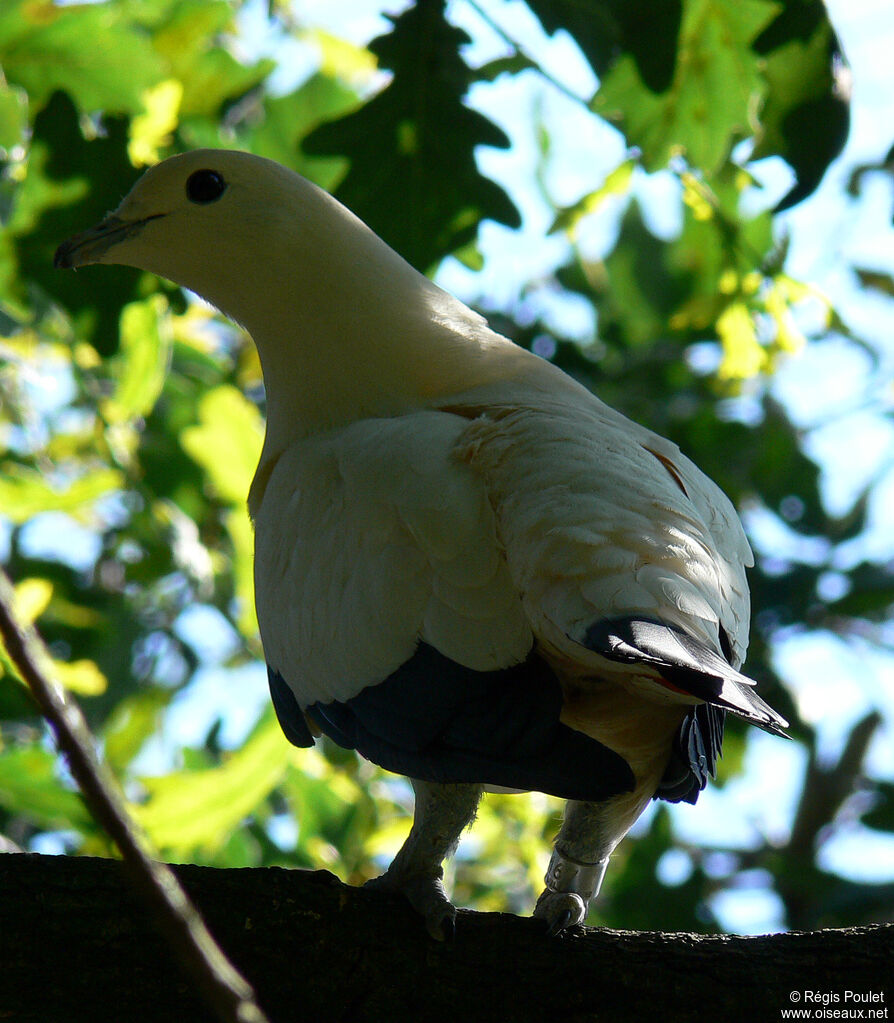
442, 812
577, 866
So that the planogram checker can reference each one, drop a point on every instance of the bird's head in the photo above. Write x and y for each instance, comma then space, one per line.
227, 225
344, 326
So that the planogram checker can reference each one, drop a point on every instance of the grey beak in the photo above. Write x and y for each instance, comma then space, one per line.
87, 246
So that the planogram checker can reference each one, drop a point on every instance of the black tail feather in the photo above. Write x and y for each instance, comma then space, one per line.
685, 662
695, 754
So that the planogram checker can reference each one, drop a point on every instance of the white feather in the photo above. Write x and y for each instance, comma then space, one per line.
370, 538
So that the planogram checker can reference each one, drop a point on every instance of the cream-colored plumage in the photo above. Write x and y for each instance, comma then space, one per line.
480, 535
427, 488
377, 531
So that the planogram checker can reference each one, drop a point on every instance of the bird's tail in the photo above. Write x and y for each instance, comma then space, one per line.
684, 664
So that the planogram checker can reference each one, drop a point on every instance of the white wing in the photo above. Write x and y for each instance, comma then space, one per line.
370, 538
601, 517
527, 515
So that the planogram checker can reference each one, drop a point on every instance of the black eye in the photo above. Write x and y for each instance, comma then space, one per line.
205, 186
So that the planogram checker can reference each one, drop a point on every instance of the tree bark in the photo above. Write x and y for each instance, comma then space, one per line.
76, 944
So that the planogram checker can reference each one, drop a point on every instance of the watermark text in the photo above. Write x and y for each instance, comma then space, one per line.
815, 1005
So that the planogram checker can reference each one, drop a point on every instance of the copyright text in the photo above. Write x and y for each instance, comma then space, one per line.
836, 1005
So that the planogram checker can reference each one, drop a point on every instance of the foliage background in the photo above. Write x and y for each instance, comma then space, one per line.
131, 415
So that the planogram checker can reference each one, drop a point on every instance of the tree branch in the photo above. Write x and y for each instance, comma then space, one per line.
75, 946
826, 787
190, 941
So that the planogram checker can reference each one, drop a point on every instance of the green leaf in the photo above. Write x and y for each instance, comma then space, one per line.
82, 676
323, 804
187, 37
633, 872
639, 290
289, 119
25, 492
62, 194
872, 593
87, 50
878, 280
13, 116
30, 786
616, 183
513, 65
743, 354
131, 724
142, 362
243, 540
413, 176
716, 88
152, 130
15, 701
805, 118
715, 247
647, 30
199, 809
732, 760
227, 442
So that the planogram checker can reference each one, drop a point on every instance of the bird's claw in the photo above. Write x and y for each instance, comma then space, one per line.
560, 911
428, 898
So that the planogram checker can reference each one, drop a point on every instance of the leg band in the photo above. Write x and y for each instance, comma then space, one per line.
565, 874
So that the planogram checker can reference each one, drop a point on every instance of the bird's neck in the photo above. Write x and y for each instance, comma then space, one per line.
358, 355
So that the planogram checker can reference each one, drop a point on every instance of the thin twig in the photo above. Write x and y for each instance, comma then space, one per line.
225, 990
522, 52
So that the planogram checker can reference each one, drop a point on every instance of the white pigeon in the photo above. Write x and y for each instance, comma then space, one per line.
468, 568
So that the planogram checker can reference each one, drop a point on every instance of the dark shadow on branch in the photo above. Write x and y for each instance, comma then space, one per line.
75, 945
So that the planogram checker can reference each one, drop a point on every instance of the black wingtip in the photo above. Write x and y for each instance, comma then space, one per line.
684, 661
775, 729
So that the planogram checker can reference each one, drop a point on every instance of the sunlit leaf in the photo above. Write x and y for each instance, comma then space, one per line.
30, 786
32, 596
131, 723
13, 116
288, 119
321, 798
25, 492
743, 354
208, 73
789, 337
82, 677
199, 809
142, 362
342, 59
152, 130
88, 50
241, 533
710, 104
617, 183
227, 442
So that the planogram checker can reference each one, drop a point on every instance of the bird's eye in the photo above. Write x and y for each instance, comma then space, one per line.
204, 186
